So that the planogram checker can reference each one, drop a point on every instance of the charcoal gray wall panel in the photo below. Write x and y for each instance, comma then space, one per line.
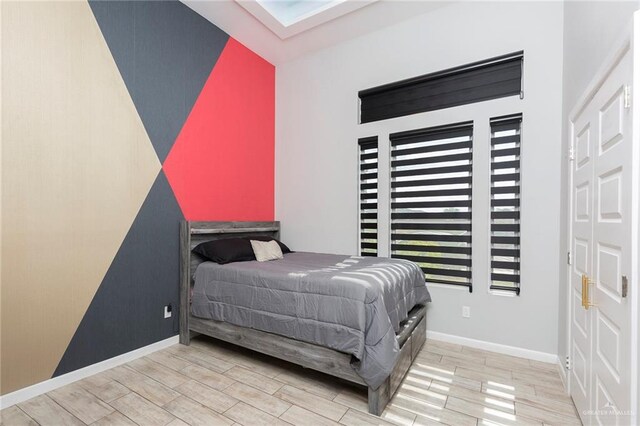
165, 53
127, 311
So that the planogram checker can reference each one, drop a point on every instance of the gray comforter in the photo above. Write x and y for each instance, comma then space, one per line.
351, 304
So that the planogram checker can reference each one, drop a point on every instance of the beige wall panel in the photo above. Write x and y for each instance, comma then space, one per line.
76, 167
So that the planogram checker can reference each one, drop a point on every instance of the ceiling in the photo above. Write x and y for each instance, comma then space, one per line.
283, 30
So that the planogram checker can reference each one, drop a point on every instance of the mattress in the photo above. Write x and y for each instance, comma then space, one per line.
350, 304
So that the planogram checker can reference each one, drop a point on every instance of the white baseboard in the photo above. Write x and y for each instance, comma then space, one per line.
494, 347
48, 385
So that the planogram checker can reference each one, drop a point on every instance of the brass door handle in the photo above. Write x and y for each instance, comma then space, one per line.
586, 282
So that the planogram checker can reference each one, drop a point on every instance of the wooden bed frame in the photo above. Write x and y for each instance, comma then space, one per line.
411, 336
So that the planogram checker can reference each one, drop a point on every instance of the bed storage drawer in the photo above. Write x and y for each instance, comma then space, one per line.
402, 366
418, 337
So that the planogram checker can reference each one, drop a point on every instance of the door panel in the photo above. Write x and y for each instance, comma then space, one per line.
611, 119
610, 190
608, 344
580, 373
583, 147
608, 265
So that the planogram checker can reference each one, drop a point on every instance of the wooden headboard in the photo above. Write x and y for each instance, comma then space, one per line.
194, 233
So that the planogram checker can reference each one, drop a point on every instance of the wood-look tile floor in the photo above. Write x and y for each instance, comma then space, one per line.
212, 383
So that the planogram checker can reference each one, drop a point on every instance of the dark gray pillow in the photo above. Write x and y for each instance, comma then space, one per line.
232, 249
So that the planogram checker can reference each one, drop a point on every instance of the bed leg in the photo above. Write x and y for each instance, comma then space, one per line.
186, 340
185, 337
185, 282
378, 398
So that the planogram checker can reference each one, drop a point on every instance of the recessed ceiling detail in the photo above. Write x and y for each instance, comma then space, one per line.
287, 18
289, 12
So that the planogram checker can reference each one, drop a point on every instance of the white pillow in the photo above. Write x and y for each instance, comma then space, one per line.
266, 250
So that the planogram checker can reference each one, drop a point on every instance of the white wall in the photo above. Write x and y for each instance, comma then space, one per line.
590, 31
316, 152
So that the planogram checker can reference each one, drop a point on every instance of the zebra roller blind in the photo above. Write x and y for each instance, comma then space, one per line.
476, 82
505, 203
368, 196
431, 177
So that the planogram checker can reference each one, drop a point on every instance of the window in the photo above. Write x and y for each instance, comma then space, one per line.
368, 196
431, 173
431, 176
476, 82
505, 203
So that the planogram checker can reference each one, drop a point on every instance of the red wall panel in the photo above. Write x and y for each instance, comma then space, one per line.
221, 166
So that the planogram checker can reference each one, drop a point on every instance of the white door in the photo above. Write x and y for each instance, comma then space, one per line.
603, 244
582, 250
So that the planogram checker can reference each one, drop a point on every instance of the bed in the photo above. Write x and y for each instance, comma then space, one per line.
274, 308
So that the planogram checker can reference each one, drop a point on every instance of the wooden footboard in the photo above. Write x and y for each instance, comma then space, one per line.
411, 336
413, 340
